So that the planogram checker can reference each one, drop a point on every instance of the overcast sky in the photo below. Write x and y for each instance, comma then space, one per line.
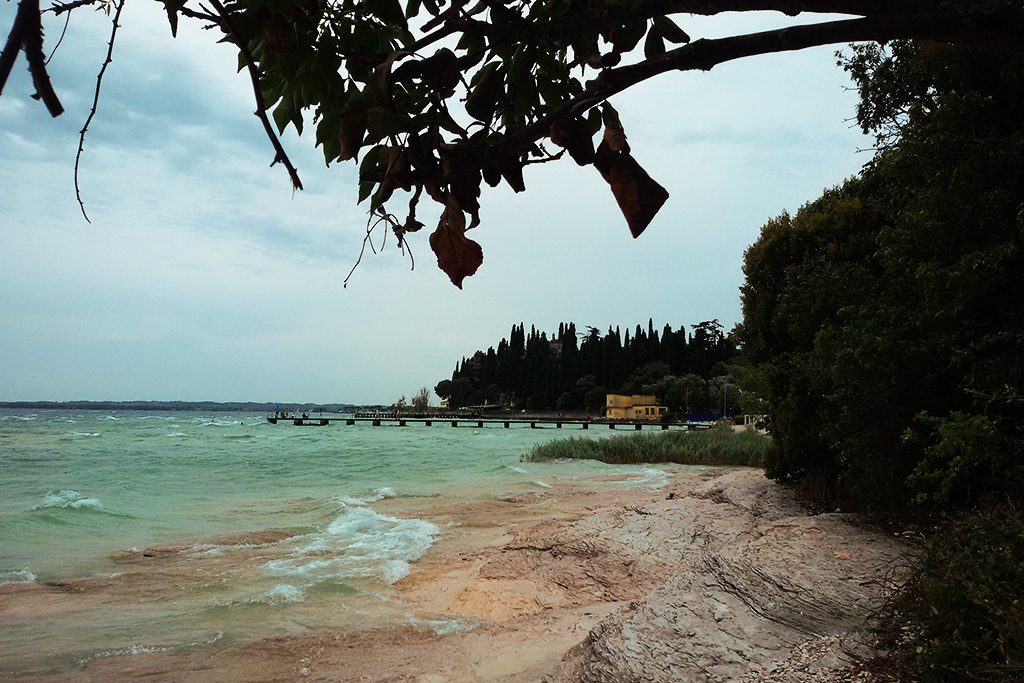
202, 277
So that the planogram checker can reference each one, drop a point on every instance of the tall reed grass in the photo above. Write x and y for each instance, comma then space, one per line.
718, 446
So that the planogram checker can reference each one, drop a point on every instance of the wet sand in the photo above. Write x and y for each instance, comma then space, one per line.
719, 575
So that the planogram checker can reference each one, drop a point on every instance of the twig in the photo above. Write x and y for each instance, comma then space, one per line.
362, 250
261, 105
95, 103
67, 20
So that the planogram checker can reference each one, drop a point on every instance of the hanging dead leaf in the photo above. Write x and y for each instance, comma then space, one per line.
382, 82
457, 255
615, 138
639, 196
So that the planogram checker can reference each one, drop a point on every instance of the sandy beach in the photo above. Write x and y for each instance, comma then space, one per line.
719, 575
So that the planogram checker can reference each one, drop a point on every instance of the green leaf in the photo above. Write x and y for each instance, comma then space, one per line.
365, 190
371, 160
626, 37
283, 114
670, 31
388, 11
384, 121
173, 7
654, 45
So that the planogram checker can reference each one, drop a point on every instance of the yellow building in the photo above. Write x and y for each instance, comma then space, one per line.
635, 407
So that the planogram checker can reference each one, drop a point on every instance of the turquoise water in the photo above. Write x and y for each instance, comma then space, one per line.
80, 491
77, 485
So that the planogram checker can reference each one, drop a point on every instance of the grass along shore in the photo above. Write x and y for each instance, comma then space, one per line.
717, 446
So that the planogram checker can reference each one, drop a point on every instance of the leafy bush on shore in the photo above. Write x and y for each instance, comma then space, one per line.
961, 615
718, 446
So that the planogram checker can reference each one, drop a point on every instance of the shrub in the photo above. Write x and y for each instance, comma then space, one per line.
961, 615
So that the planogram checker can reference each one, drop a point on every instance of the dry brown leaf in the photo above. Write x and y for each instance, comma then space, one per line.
457, 255
615, 138
639, 196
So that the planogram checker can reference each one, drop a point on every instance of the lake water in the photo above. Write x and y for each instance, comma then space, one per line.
82, 492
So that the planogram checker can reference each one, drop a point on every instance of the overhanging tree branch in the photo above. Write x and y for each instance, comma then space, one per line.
27, 34
236, 37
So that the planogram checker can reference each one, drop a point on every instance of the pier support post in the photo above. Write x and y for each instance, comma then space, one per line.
401, 423
585, 425
558, 425
637, 426
350, 422
533, 425
506, 425
611, 425
480, 424
429, 423
323, 422
664, 427
455, 423
376, 423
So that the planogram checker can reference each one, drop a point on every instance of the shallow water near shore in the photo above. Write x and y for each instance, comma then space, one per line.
178, 531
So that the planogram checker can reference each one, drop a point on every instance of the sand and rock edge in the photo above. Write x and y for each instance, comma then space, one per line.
720, 576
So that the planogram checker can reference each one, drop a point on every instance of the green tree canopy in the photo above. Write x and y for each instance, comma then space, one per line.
434, 97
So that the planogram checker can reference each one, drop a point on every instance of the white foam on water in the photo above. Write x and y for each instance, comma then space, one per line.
140, 649
17, 576
514, 468
175, 434
359, 542
442, 627
652, 478
82, 434
68, 499
110, 417
543, 484
280, 594
19, 418
378, 494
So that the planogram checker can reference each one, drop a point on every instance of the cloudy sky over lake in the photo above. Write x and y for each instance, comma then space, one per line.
203, 277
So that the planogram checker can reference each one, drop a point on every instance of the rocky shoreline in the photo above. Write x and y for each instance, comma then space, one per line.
720, 575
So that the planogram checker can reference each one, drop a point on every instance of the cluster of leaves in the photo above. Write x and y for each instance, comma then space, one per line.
571, 370
885, 318
442, 113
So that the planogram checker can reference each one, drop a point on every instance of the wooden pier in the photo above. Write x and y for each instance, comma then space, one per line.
481, 422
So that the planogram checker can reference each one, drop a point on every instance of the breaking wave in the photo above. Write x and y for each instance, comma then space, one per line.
358, 543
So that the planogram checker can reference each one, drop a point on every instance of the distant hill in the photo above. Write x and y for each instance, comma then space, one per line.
245, 406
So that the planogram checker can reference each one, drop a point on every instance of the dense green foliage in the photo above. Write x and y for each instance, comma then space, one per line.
886, 318
884, 324
570, 370
718, 446
964, 603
